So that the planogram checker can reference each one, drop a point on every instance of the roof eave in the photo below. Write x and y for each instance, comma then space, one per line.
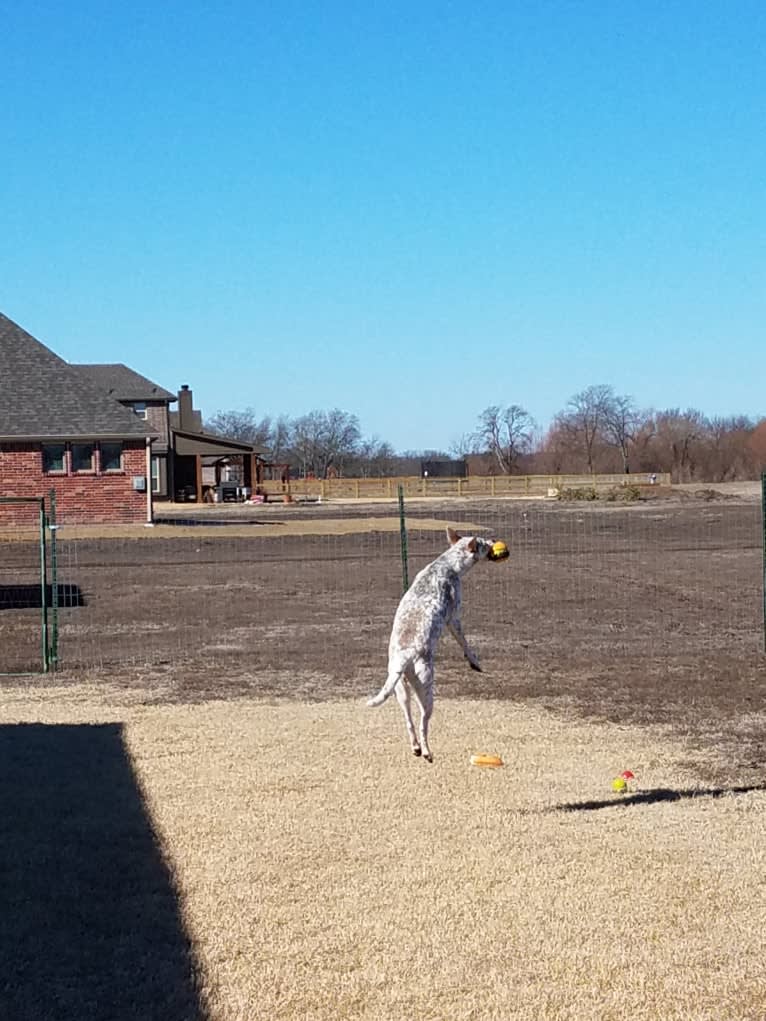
77, 437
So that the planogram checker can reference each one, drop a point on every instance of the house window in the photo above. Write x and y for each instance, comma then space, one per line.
53, 457
155, 475
82, 457
140, 408
111, 457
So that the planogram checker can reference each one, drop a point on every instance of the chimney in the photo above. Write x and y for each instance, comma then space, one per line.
185, 410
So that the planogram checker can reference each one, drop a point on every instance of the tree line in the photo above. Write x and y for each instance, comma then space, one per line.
599, 430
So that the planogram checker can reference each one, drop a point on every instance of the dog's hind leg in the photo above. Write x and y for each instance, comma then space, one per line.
404, 698
423, 685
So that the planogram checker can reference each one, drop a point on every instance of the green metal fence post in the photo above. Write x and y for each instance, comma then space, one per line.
54, 630
44, 587
403, 540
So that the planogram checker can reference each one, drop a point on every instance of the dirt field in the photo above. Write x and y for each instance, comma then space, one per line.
203, 822
623, 612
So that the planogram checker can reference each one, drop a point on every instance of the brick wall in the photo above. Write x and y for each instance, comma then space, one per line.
80, 498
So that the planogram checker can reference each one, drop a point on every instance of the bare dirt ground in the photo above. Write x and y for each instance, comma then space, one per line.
640, 613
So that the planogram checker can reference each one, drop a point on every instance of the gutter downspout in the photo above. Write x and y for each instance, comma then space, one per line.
149, 514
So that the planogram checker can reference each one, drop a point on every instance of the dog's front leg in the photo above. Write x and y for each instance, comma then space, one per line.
456, 629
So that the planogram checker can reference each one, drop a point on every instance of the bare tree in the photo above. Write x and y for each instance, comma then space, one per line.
244, 426
506, 433
374, 458
465, 445
279, 449
585, 417
324, 439
677, 441
621, 422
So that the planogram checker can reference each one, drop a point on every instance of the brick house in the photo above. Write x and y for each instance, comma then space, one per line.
150, 402
60, 430
102, 435
186, 461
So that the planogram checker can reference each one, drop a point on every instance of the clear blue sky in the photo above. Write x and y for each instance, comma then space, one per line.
406, 210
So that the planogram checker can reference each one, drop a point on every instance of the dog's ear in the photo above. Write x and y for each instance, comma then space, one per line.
452, 535
472, 545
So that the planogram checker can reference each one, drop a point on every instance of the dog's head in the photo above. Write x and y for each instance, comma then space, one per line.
478, 547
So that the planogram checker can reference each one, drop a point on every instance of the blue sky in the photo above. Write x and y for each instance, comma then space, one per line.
408, 211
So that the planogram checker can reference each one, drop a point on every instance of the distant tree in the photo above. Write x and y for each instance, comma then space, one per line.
374, 458
621, 421
728, 453
756, 445
678, 439
279, 440
466, 445
244, 426
584, 419
506, 433
559, 451
324, 439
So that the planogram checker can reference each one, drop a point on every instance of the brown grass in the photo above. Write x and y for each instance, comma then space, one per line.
237, 529
323, 873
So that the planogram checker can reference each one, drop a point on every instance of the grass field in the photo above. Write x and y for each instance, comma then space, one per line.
318, 871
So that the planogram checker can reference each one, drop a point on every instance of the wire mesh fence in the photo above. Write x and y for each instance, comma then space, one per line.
287, 593
24, 593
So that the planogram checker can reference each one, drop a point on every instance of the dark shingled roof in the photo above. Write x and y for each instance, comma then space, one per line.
43, 397
124, 384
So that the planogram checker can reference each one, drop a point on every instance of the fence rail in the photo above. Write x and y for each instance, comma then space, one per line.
471, 486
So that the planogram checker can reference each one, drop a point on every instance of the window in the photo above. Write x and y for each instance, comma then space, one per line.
111, 457
155, 475
82, 457
53, 457
140, 408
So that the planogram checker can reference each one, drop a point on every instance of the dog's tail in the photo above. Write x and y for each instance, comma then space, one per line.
391, 681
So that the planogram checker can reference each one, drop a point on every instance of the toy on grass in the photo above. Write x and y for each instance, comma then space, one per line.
489, 761
622, 783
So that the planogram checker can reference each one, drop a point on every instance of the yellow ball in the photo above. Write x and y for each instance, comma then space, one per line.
499, 551
619, 785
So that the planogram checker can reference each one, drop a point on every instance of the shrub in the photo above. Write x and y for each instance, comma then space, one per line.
583, 493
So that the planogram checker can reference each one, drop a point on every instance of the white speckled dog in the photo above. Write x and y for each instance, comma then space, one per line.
430, 604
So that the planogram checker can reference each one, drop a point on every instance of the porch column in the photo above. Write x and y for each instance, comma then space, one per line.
198, 466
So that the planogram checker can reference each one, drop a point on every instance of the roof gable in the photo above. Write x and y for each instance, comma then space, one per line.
42, 396
124, 384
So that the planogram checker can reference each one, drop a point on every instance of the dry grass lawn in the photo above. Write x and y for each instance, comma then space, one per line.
323, 873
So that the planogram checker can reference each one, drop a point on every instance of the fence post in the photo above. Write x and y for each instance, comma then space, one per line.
54, 628
763, 529
403, 541
43, 587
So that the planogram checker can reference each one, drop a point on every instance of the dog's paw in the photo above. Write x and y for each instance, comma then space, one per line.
474, 665
417, 751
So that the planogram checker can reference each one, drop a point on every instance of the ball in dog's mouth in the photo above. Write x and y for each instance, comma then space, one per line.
499, 551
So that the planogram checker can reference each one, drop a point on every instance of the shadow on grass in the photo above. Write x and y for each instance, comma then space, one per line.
90, 928
652, 797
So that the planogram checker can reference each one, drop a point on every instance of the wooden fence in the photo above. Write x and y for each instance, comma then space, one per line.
530, 486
